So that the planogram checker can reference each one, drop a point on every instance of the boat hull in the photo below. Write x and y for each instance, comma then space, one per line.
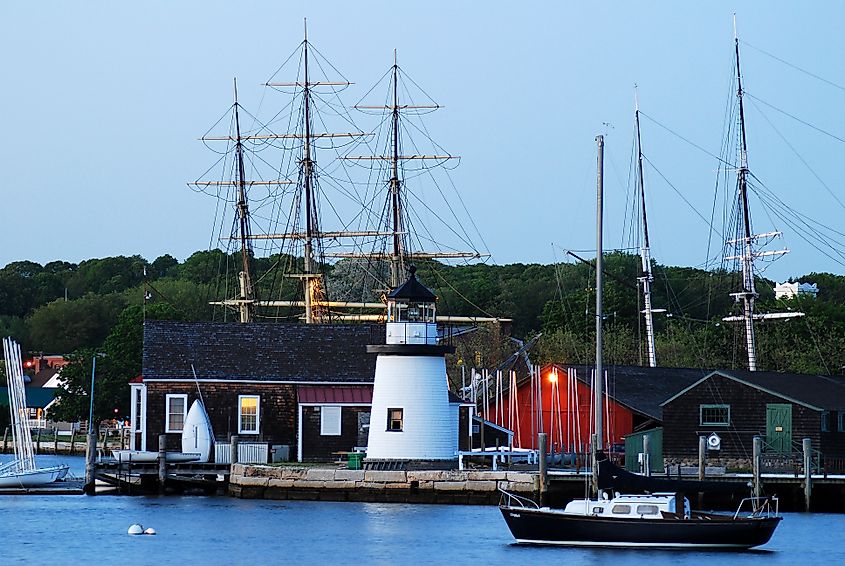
33, 478
543, 526
197, 437
143, 457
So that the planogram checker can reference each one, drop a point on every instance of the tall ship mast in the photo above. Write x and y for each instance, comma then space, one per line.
646, 278
301, 251
744, 242
397, 219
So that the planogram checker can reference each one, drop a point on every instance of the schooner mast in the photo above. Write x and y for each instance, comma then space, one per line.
398, 224
745, 241
647, 277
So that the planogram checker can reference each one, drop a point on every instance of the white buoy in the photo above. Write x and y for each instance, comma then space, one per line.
135, 529
150, 531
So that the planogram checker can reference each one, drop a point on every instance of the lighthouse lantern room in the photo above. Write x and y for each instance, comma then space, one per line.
411, 418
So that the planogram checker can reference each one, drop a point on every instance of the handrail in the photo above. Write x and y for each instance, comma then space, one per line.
760, 506
508, 498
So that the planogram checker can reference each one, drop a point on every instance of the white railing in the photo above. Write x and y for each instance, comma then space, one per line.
248, 452
36, 423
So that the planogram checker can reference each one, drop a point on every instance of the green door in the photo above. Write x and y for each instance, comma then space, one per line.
779, 427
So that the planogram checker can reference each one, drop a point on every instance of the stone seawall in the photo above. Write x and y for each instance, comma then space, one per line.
423, 486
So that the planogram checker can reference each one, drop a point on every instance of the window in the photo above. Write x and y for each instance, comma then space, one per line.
598, 510
647, 510
841, 421
395, 420
330, 421
175, 407
138, 409
621, 510
825, 421
249, 412
715, 415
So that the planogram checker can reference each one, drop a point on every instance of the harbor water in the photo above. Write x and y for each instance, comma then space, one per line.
223, 530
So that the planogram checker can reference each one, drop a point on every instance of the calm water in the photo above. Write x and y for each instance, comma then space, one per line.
220, 530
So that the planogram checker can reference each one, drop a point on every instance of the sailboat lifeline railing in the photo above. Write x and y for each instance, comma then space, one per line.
513, 500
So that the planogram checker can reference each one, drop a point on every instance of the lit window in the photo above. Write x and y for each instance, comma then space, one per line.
647, 510
394, 420
330, 421
249, 412
175, 408
621, 510
715, 415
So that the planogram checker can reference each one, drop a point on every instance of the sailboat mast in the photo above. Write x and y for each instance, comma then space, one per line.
307, 173
645, 253
748, 293
396, 257
598, 384
245, 305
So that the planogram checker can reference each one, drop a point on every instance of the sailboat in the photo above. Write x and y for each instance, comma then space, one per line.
22, 471
659, 519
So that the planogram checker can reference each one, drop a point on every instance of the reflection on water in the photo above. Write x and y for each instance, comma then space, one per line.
221, 530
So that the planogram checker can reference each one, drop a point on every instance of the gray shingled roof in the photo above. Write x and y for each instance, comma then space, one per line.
262, 352
643, 389
822, 392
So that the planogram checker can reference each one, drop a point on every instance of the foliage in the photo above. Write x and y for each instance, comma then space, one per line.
64, 326
118, 361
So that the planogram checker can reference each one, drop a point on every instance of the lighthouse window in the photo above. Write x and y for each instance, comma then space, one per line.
175, 407
394, 420
248, 414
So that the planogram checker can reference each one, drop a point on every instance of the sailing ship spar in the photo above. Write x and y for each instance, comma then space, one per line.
363, 236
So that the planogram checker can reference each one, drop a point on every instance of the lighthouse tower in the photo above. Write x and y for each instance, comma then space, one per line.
411, 417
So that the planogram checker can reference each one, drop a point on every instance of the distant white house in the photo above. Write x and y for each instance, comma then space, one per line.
789, 290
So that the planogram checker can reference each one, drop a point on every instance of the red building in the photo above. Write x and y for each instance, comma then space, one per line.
632, 402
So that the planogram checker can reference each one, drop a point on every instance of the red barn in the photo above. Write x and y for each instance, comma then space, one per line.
633, 396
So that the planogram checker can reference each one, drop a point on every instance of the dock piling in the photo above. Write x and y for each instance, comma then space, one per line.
544, 476
233, 450
702, 457
55, 441
756, 464
5, 439
90, 459
162, 461
646, 455
808, 471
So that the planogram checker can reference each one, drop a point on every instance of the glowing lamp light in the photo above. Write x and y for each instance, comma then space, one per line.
553, 377
28, 364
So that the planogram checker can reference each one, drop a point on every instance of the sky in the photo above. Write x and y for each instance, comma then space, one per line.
103, 102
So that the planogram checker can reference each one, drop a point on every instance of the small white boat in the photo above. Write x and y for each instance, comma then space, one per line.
196, 435
22, 471
145, 456
31, 478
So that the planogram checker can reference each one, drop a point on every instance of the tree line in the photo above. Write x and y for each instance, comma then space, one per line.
98, 307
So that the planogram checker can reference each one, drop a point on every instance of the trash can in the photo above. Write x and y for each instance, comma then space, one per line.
354, 460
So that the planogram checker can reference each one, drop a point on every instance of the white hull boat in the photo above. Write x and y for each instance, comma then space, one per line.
22, 471
145, 456
197, 437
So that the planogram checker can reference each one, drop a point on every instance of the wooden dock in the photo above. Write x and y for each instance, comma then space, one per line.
143, 478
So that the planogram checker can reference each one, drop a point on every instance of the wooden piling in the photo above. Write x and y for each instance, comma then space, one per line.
56, 441
702, 457
72, 442
646, 455
162, 461
544, 476
233, 450
757, 463
5, 439
90, 466
808, 472
38, 441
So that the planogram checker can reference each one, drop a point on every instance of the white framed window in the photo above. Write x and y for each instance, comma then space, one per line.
714, 415
395, 419
249, 413
175, 409
330, 421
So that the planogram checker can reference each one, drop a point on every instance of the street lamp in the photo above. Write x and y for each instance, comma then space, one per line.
91, 400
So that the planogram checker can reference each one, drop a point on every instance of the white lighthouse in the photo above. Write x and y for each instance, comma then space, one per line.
411, 418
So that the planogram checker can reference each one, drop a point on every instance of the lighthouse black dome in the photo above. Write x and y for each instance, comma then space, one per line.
412, 290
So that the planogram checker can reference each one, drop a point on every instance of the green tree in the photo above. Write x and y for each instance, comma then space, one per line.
64, 326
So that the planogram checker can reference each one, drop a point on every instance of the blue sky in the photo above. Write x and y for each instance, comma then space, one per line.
103, 102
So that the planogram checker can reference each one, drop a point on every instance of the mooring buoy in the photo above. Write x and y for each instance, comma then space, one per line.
135, 529
150, 531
